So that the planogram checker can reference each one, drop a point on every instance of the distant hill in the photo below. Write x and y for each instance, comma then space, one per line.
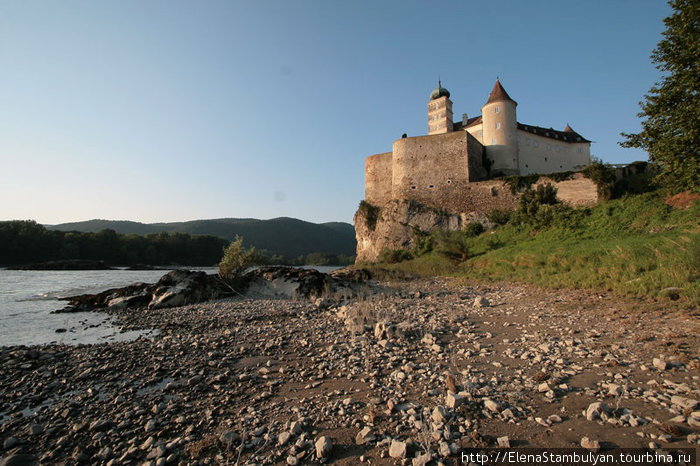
286, 236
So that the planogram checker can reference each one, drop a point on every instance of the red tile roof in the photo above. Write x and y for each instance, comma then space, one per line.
568, 135
498, 94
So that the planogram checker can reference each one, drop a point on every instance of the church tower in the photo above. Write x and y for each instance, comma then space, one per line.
440, 111
500, 128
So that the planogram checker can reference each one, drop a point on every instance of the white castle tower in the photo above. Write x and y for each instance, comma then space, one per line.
500, 128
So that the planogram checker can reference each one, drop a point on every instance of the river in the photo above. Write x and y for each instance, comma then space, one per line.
27, 298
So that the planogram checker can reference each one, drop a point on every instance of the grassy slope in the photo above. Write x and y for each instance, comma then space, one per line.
636, 245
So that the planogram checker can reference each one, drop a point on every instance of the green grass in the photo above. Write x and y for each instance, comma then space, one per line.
636, 246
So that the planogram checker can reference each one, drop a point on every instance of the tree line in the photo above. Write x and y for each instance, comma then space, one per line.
24, 242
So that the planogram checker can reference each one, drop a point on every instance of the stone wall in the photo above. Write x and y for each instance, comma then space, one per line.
579, 191
429, 169
378, 178
397, 220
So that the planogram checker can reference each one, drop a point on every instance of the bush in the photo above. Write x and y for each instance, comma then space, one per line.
603, 176
499, 216
424, 242
532, 199
452, 244
394, 256
237, 260
370, 213
473, 229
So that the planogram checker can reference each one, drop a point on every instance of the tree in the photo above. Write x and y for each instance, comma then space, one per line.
671, 129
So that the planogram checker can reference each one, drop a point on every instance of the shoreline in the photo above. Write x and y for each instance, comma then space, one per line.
266, 378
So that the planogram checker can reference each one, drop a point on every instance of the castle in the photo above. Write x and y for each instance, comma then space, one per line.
440, 169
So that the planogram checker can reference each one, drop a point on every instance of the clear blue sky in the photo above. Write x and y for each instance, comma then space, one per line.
179, 110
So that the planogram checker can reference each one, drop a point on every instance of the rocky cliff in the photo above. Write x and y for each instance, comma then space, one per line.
398, 224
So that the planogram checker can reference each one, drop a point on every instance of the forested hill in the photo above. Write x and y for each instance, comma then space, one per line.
288, 237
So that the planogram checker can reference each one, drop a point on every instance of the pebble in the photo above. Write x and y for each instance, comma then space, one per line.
589, 444
324, 447
438, 375
397, 449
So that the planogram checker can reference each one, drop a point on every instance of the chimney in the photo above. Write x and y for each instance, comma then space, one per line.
464, 120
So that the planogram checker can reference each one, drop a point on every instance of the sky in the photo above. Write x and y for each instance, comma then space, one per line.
168, 110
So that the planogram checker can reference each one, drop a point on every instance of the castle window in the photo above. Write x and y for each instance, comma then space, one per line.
496, 109
481, 133
545, 159
549, 147
413, 187
558, 149
527, 141
525, 165
431, 186
498, 125
493, 141
580, 150
449, 181
518, 138
537, 144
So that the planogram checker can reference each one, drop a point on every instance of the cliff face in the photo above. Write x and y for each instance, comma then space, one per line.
394, 226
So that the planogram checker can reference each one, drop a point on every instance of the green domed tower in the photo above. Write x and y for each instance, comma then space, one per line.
440, 111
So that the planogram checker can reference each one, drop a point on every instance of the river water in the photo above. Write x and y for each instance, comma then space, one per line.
27, 298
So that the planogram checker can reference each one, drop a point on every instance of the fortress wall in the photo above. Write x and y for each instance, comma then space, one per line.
378, 177
429, 169
476, 170
539, 154
578, 191
484, 196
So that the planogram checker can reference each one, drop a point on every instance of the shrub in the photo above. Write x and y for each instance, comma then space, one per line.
473, 229
394, 256
237, 260
603, 176
499, 216
451, 244
424, 242
532, 199
370, 213
520, 183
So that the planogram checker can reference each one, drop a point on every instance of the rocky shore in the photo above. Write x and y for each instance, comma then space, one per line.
407, 373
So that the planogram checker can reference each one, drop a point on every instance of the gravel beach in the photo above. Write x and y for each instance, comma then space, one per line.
410, 374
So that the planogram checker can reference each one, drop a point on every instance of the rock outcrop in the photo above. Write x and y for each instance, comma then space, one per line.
183, 287
399, 224
176, 288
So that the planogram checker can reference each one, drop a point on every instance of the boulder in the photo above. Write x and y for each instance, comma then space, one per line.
176, 288
183, 287
288, 282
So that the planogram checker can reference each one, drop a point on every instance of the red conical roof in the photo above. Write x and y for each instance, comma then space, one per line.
498, 94
568, 129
